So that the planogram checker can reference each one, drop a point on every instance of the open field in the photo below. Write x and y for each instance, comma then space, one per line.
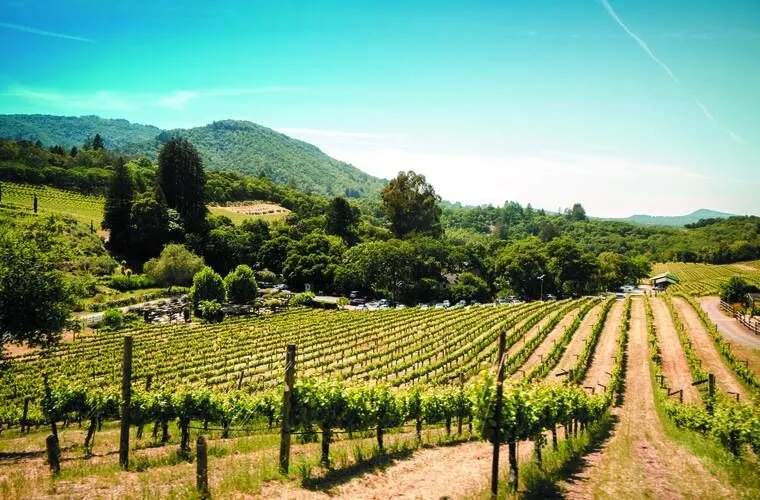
251, 210
705, 279
406, 350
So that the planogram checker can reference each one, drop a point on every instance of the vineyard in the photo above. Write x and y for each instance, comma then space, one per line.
367, 385
89, 209
706, 279
86, 209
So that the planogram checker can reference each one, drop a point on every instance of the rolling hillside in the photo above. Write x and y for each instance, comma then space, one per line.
676, 220
238, 146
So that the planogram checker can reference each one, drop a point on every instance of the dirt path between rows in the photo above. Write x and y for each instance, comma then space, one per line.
638, 461
605, 347
460, 471
706, 350
576, 344
545, 346
674, 364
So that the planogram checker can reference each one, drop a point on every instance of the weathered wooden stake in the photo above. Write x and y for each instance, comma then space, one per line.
25, 416
53, 453
513, 465
126, 397
287, 396
201, 468
497, 414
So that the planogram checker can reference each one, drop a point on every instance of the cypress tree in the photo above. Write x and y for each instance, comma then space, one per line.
118, 207
182, 179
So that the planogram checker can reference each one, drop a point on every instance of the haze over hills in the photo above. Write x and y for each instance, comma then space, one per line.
224, 145
676, 220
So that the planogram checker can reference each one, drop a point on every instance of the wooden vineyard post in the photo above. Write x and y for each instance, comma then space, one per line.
25, 416
126, 396
53, 453
287, 396
201, 468
711, 391
497, 415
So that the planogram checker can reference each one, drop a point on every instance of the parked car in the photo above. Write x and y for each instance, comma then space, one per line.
440, 305
424, 307
549, 296
400, 307
357, 302
446, 303
354, 294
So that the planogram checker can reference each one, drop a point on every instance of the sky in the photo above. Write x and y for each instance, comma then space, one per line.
626, 106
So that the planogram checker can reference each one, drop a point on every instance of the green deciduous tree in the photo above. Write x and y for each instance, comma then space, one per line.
175, 266
411, 205
469, 286
207, 285
34, 301
241, 285
313, 260
182, 179
117, 211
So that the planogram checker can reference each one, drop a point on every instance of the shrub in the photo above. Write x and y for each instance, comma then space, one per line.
128, 282
175, 266
265, 276
207, 285
303, 299
211, 311
240, 285
113, 318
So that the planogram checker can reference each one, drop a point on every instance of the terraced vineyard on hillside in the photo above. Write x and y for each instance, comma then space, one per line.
410, 375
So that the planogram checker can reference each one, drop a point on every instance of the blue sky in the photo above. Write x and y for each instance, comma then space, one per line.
628, 106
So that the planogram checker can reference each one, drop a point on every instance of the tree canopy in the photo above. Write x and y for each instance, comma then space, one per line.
411, 205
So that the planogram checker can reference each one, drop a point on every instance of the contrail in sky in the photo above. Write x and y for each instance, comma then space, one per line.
650, 53
29, 29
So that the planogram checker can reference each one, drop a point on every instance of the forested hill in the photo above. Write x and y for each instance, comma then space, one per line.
238, 146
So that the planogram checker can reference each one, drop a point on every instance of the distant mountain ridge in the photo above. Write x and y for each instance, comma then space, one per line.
675, 221
231, 145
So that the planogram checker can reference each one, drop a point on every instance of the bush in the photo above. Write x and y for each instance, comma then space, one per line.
175, 266
207, 285
265, 276
127, 282
302, 299
113, 318
240, 285
101, 265
211, 311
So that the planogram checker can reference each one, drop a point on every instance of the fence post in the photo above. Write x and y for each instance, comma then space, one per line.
287, 396
497, 415
710, 391
53, 453
126, 396
201, 468
25, 416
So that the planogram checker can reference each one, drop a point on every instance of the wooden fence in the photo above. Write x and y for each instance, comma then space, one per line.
752, 325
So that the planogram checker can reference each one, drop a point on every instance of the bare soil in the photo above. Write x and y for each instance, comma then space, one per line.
638, 461
706, 350
674, 364
602, 362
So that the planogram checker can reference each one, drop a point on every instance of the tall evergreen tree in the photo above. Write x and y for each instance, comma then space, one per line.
150, 224
97, 142
118, 207
182, 179
342, 219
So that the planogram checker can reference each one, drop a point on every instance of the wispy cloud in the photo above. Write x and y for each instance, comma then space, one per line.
650, 53
180, 99
37, 31
113, 100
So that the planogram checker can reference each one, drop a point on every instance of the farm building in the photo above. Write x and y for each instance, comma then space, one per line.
664, 280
